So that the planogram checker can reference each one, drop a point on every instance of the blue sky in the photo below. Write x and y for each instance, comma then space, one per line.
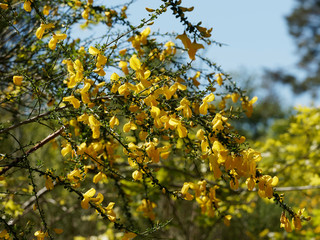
255, 31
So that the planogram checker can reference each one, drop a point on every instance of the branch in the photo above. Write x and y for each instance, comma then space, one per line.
31, 150
297, 188
33, 119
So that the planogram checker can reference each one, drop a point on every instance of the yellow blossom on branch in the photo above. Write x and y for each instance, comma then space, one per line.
54, 40
27, 5
17, 80
40, 31
191, 47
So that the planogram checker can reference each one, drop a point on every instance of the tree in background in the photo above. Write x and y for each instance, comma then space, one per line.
293, 147
303, 24
121, 130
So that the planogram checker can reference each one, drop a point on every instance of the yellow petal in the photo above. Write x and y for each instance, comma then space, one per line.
49, 183
17, 80
3, 6
85, 203
93, 51
114, 77
194, 47
27, 6
203, 109
58, 230
185, 40
149, 9
97, 177
182, 131
114, 121
40, 31
90, 193
146, 32
135, 63
174, 122
275, 181
52, 43
93, 121
137, 175
101, 60
110, 206
61, 36
155, 112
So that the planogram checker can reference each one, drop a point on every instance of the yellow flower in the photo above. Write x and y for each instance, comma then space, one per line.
235, 97
146, 207
58, 230
265, 185
194, 79
185, 107
99, 71
114, 121
4, 234
27, 5
218, 121
98, 177
95, 126
55, 38
129, 126
4, 6
214, 166
40, 31
86, 198
296, 222
93, 51
110, 213
204, 31
67, 149
251, 182
153, 152
184, 191
155, 112
46, 10
203, 109
137, 175
40, 235
191, 47
49, 183
75, 102
194, 47
124, 67
226, 220
185, 40
123, 51
101, 60
284, 222
219, 78
74, 177
149, 9
144, 34
176, 124
135, 63
17, 80
84, 93
248, 105
234, 183
128, 236
85, 14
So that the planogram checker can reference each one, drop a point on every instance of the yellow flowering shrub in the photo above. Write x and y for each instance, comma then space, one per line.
135, 135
